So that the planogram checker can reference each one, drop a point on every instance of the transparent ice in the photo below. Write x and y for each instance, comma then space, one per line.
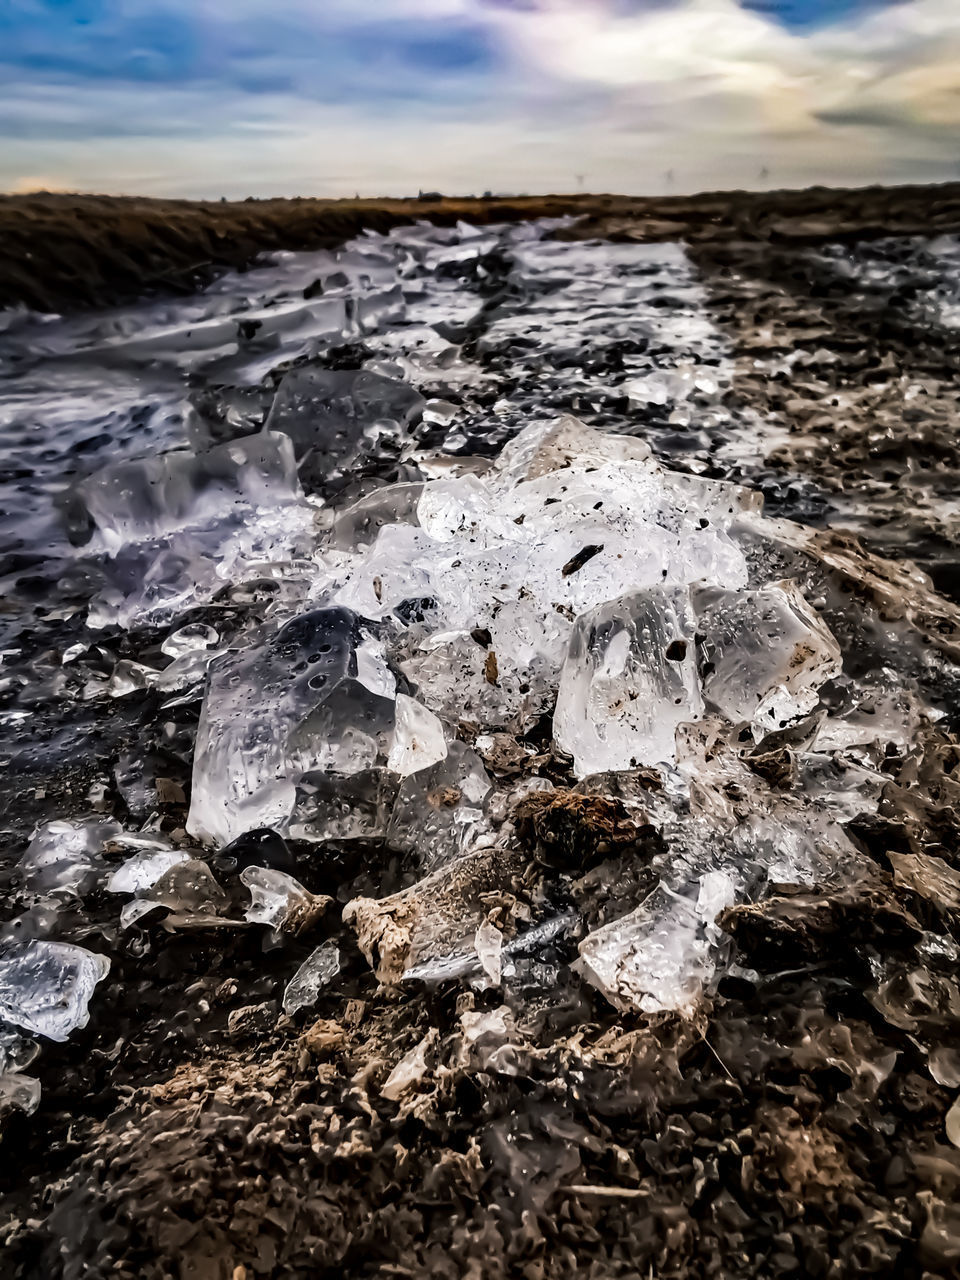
317, 971
46, 987
65, 855
628, 681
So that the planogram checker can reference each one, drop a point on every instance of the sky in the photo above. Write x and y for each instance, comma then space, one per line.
211, 98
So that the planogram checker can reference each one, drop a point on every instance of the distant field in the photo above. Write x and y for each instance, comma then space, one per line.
59, 252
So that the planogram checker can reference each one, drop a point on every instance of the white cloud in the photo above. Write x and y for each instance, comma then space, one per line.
702, 89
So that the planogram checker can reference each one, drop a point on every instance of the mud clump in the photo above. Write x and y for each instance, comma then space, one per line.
571, 832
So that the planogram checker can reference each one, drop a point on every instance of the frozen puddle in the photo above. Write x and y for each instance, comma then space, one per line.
413, 548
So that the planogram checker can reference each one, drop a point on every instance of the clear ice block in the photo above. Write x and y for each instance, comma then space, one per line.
628, 681
45, 987
151, 497
769, 653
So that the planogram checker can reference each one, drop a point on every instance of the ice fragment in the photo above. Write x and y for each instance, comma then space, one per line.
45, 987
280, 901
769, 654
133, 501
317, 971
628, 681
64, 856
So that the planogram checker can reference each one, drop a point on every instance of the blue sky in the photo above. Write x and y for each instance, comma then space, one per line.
237, 97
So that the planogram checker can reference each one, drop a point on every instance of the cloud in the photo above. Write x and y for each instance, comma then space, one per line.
231, 96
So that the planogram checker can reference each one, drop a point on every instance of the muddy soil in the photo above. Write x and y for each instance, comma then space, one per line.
850, 352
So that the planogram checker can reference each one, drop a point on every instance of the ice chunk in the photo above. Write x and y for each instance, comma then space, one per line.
150, 497
187, 670
565, 442
659, 956
193, 638
18, 1090
331, 415
769, 653
317, 971
280, 901
372, 669
130, 677
149, 581
357, 526
143, 870
628, 681
45, 987
373, 310
64, 855
291, 706
489, 947
188, 890
16, 1054
318, 698
439, 810
410, 1070
418, 739
395, 570
882, 713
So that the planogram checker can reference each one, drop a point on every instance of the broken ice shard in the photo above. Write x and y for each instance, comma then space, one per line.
280, 901
418, 738
187, 889
331, 415
410, 1070
150, 581
151, 497
143, 870
319, 969
20, 1091
256, 701
45, 987
193, 638
768, 653
357, 526
317, 697
628, 681
660, 955
16, 1054
439, 810
64, 856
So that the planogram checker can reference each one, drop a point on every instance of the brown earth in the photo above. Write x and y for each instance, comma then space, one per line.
64, 251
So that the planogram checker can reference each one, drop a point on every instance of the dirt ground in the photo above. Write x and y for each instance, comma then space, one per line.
65, 251
804, 1125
